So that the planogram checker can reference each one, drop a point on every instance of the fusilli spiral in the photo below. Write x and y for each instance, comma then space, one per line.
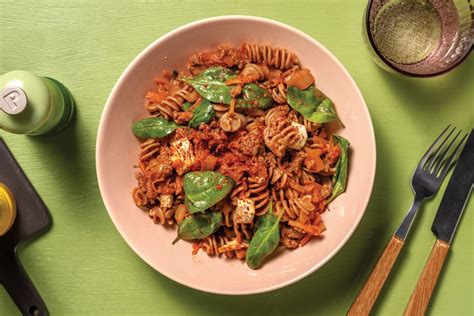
172, 104
272, 56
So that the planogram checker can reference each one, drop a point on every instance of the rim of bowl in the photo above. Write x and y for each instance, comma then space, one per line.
108, 107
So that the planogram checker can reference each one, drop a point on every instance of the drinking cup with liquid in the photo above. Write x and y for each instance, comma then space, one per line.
419, 38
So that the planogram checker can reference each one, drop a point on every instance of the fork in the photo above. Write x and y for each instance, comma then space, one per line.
426, 180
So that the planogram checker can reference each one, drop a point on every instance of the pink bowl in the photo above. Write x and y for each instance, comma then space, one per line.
117, 151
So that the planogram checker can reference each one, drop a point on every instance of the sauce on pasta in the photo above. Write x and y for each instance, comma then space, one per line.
254, 137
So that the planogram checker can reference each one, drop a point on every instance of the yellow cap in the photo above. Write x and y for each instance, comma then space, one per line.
7, 209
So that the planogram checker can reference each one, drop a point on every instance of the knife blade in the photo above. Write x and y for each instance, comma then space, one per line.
456, 195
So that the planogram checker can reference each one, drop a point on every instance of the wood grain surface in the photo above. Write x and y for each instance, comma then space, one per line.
421, 295
367, 296
83, 267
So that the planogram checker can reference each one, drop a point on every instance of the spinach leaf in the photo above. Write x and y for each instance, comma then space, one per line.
202, 114
312, 104
191, 207
265, 240
153, 127
199, 226
254, 96
186, 105
203, 189
210, 84
340, 177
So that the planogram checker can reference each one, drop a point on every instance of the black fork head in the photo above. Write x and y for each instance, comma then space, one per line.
436, 162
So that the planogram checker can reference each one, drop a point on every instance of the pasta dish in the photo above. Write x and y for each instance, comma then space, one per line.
235, 153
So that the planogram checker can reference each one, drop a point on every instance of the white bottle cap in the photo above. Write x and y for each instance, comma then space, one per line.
13, 100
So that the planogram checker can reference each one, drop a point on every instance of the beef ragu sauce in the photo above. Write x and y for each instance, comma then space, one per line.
235, 153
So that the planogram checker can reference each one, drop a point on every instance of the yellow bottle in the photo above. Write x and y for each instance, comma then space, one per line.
7, 209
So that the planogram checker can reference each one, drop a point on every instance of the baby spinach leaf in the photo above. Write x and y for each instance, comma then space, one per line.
210, 84
202, 114
199, 226
153, 127
191, 207
203, 189
312, 104
186, 105
254, 96
340, 177
265, 240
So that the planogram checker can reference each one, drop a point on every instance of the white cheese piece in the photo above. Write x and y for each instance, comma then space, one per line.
245, 211
299, 141
182, 150
166, 201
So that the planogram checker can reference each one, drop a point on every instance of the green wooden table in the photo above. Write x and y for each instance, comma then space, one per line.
82, 265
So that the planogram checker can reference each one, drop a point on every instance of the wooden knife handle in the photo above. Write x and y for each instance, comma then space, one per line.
426, 283
368, 295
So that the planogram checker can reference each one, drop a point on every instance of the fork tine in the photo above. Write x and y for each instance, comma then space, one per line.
450, 160
430, 150
435, 155
440, 158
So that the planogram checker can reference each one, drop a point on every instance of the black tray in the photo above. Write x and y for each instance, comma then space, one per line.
32, 219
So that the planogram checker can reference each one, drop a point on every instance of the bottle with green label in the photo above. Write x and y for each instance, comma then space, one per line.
33, 105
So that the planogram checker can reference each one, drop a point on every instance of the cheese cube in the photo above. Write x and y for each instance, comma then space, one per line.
182, 155
166, 201
245, 211
299, 141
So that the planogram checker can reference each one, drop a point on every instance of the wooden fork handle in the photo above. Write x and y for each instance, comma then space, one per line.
364, 302
426, 283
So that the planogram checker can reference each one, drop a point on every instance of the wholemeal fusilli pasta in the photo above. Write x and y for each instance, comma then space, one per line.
270, 151
278, 57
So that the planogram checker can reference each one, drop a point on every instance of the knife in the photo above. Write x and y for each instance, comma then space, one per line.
444, 226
